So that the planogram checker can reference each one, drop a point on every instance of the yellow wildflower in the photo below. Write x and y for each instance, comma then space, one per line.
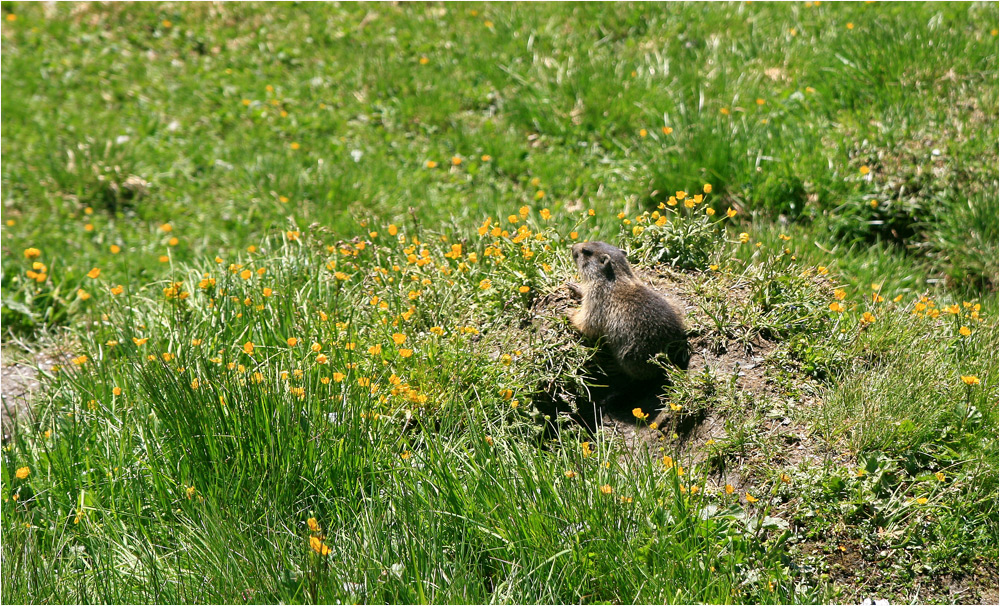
314, 542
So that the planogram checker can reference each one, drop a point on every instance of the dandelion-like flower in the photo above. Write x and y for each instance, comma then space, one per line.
318, 546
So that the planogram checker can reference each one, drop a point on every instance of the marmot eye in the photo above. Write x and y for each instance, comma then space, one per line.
587, 252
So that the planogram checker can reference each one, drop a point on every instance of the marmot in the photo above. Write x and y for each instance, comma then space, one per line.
635, 321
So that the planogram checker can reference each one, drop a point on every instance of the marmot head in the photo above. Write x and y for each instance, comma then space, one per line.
599, 261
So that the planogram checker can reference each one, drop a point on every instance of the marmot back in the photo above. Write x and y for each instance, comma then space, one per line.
635, 321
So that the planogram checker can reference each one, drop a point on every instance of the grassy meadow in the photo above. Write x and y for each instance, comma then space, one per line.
301, 268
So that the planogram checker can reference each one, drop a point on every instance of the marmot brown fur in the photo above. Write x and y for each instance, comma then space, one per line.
635, 321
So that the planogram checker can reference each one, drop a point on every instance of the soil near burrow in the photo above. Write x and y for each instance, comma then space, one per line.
720, 356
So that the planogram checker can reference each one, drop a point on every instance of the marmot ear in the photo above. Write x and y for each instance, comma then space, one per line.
606, 266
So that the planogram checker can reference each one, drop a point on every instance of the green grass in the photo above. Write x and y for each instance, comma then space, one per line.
283, 147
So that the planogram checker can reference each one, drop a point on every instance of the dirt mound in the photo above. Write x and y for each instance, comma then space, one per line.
737, 357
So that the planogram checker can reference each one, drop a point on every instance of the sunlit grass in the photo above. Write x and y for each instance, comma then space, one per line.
301, 258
